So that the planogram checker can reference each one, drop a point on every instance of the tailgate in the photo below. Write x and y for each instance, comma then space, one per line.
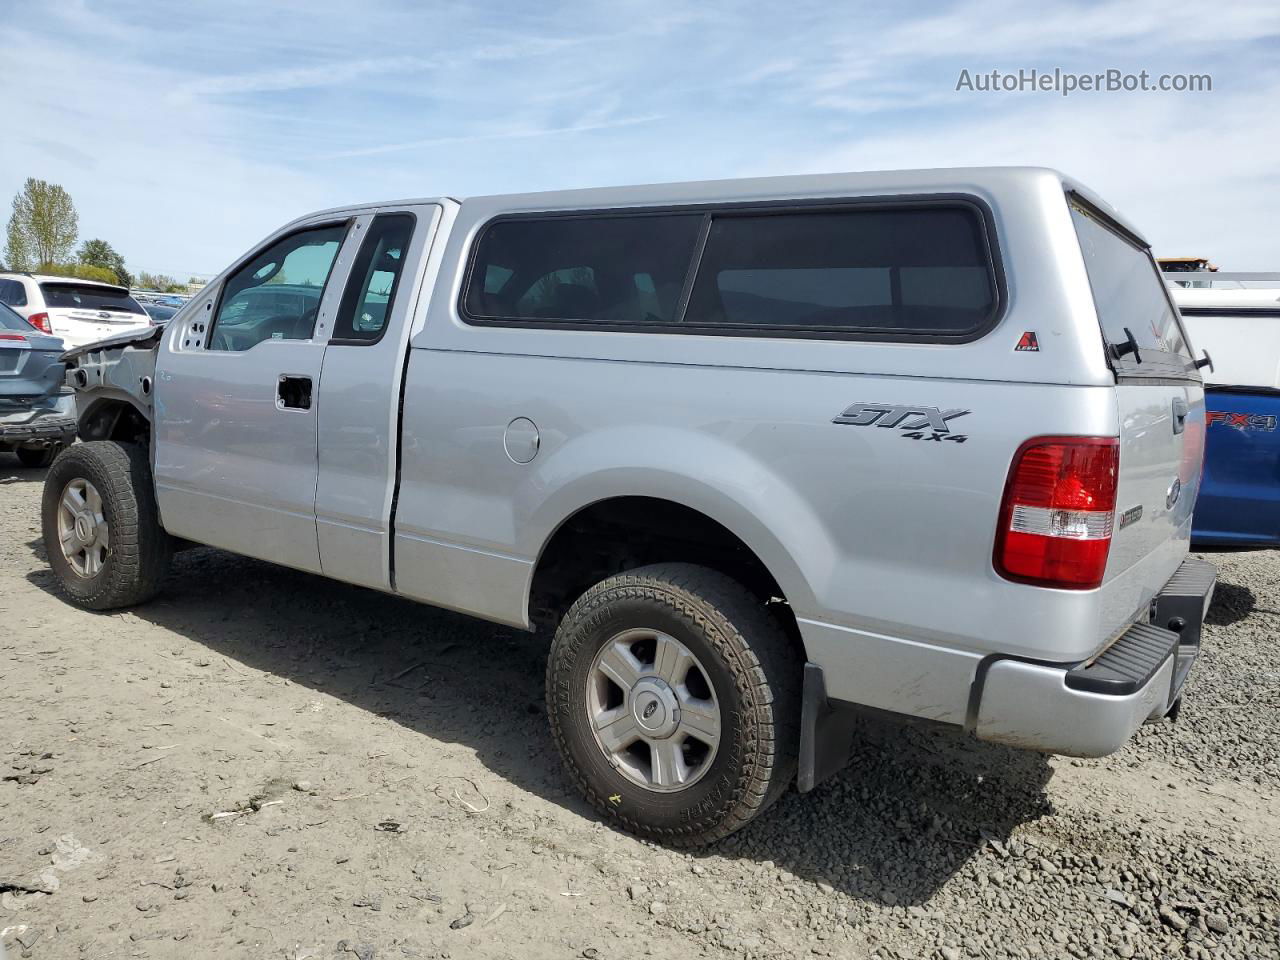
1161, 450
86, 326
1159, 400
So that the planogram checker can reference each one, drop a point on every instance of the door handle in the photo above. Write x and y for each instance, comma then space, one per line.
293, 392
1179, 414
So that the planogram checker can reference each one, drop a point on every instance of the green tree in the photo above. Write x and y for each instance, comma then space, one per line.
16, 251
160, 281
43, 227
84, 271
99, 253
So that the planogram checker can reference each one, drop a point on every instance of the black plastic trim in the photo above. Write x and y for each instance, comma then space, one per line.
335, 341
1108, 221
677, 326
827, 728
1182, 604
1241, 389
39, 429
1230, 311
1127, 665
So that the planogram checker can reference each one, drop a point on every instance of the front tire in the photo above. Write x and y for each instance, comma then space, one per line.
674, 700
101, 528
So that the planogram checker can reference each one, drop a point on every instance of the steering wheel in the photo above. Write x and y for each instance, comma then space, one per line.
307, 322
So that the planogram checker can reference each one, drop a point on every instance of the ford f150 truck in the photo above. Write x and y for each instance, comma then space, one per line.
761, 453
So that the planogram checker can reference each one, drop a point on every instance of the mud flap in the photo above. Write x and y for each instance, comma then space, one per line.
826, 731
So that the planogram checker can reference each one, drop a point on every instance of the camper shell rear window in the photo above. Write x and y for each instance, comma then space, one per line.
1129, 295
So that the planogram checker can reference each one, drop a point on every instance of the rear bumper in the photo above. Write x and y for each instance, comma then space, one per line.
39, 425
1091, 709
1086, 709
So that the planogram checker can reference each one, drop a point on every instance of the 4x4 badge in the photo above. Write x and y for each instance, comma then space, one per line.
912, 419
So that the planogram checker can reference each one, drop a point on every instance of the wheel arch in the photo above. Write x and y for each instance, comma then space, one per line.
113, 415
610, 534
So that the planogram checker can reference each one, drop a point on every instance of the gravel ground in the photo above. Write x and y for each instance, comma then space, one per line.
262, 763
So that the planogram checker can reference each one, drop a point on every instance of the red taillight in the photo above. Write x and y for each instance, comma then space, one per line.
13, 336
41, 322
1058, 512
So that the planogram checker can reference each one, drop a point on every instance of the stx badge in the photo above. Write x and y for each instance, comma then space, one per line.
912, 419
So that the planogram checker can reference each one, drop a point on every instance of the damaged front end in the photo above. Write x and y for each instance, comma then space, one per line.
113, 380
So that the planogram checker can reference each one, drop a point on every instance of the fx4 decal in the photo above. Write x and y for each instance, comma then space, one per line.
1242, 421
917, 422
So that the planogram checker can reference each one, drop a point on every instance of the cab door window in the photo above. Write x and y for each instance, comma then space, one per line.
375, 277
276, 294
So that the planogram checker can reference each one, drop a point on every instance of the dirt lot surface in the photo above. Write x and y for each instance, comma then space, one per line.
262, 763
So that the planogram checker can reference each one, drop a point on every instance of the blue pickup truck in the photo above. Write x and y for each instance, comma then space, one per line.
1238, 323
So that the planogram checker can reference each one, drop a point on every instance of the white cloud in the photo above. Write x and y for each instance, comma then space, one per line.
185, 138
1199, 177
294, 78
512, 134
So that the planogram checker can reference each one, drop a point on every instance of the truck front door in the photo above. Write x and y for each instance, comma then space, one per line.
235, 390
360, 393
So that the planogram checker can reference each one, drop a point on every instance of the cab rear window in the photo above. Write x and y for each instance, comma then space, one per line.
74, 296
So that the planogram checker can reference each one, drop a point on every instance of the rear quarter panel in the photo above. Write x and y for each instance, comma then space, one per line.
863, 527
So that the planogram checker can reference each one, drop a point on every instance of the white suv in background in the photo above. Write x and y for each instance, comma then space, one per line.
78, 311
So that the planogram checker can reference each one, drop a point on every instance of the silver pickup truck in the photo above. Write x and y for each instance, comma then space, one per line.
762, 453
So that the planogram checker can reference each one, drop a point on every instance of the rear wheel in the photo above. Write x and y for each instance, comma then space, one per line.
101, 528
674, 699
38, 457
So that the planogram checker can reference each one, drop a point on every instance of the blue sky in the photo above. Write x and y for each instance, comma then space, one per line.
185, 132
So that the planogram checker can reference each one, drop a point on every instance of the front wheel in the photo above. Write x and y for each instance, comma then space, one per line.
674, 700
100, 525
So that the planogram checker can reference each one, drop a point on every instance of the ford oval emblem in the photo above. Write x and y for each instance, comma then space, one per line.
1175, 491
